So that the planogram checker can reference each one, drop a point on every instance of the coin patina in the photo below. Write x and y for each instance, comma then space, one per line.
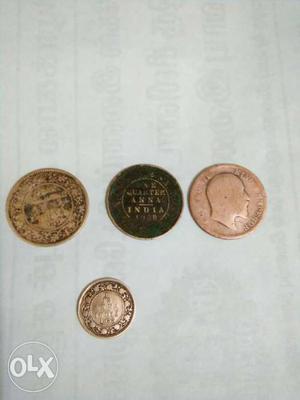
227, 201
144, 201
47, 206
105, 308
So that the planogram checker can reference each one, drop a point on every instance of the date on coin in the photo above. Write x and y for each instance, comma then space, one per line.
105, 308
144, 201
47, 206
227, 201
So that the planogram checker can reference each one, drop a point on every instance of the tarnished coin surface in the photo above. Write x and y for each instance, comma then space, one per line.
227, 201
105, 308
47, 206
144, 201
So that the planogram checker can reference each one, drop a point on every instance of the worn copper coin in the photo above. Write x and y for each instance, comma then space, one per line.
227, 201
144, 201
47, 206
105, 308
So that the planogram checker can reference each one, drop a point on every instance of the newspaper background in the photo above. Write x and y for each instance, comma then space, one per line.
94, 86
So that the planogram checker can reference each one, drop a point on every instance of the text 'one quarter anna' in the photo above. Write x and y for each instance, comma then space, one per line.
144, 201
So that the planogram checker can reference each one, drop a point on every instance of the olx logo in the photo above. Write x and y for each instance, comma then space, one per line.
32, 366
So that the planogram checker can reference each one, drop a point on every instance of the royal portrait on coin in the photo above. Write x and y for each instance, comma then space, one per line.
47, 206
227, 200
105, 308
144, 201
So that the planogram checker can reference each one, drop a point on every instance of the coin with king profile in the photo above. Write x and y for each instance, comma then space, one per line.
227, 200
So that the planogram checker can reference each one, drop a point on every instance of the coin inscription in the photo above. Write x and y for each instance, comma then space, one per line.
227, 200
144, 201
105, 308
47, 206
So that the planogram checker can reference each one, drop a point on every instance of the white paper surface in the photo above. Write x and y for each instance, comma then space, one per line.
94, 86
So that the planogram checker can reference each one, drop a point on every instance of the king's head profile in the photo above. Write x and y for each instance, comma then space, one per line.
227, 198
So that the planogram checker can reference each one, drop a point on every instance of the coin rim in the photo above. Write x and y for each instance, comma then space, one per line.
220, 236
9, 196
79, 301
111, 217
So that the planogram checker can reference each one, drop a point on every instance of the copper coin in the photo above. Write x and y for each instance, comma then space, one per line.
227, 201
105, 308
144, 201
47, 206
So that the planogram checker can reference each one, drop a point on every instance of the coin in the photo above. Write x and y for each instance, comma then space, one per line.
144, 201
47, 206
227, 201
105, 308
